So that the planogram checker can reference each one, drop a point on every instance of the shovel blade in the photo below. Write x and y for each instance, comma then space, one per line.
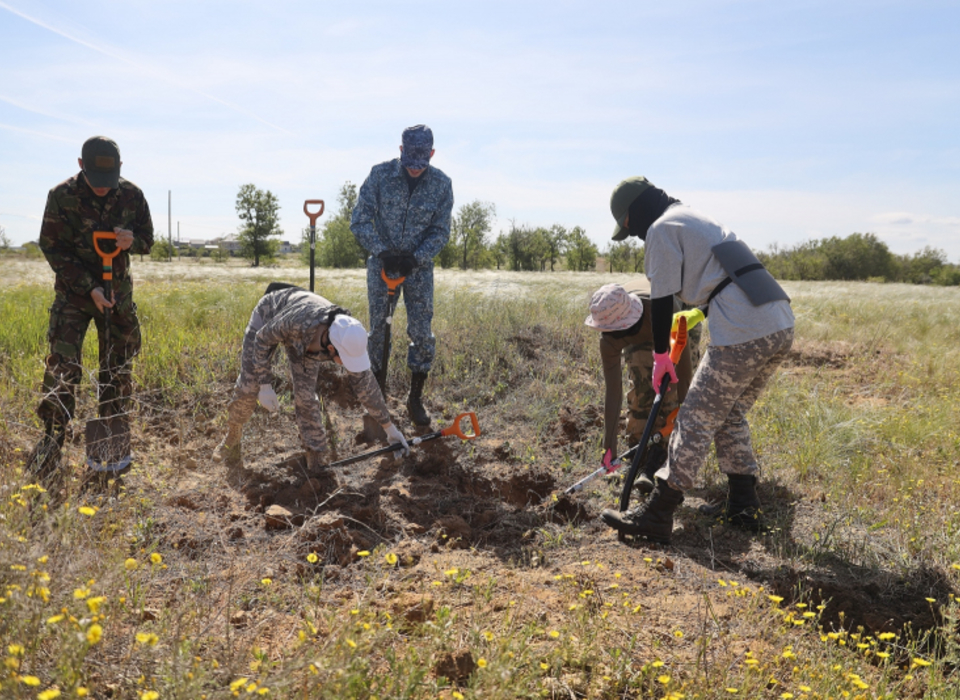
108, 444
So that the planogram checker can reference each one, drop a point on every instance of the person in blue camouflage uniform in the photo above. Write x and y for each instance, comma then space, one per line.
96, 199
312, 330
402, 219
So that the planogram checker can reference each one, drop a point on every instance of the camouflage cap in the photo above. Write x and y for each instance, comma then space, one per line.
417, 144
101, 162
621, 199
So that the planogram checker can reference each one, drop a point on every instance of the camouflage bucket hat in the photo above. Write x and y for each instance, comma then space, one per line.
417, 144
101, 162
613, 308
621, 199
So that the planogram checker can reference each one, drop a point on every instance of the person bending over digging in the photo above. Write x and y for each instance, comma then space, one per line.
692, 257
618, 313
312, 330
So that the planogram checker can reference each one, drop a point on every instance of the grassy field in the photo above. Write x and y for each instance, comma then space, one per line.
465, 572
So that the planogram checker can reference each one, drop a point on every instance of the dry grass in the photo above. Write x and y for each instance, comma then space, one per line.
465, 572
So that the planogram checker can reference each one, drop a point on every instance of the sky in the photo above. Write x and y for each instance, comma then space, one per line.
784, 120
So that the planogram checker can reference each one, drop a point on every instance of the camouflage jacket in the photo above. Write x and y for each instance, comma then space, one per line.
73, 213
291, 318
388, 217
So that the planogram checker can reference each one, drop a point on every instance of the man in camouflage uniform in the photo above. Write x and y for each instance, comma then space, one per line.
312, 330
96, 199
402, 219
703, 264
617, 311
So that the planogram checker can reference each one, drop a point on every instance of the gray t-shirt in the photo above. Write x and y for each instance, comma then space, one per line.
678, 260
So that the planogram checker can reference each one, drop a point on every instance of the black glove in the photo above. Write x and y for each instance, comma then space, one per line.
406, 264
397, 263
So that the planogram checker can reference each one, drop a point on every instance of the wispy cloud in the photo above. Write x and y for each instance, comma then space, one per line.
140, 66
32, 132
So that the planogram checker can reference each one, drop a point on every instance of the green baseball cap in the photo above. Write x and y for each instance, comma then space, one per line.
101, 162
621, 199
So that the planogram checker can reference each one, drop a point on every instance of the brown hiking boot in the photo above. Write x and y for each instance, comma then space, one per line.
652, 519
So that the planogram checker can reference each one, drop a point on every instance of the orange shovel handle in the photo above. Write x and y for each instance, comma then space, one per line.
455, 429
107, 258
678, 340
392, 282
313, 215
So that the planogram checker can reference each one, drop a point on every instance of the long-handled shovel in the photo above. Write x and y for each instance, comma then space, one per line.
452, 429
677, 343
393, 296
609, 466
371, 429
313, 216
107, 438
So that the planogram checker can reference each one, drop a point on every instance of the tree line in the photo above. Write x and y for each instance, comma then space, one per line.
472, 246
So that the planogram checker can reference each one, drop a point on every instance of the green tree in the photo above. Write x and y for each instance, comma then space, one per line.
468, 233
859, 256
162, 251
624, 256
500, 250
580, 251
336, 245
4, 239
259, 211
556, 240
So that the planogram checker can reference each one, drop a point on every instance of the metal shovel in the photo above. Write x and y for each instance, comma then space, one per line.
677, 343
313, 216
107, 438
454, 428
371, 429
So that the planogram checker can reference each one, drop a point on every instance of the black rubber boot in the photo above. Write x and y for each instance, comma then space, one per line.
653, 519
44, 460
656, 457
418, 414
743, 505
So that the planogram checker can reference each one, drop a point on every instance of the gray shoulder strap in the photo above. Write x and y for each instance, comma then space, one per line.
748, 273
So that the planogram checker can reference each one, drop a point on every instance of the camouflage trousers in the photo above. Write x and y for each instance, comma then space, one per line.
725, 387
417, 292
304, 372
70, 318
638, 360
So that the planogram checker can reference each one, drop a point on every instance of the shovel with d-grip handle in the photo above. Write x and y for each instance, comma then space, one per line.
677, 343
313, 216
107, 437
371, 428
452, 429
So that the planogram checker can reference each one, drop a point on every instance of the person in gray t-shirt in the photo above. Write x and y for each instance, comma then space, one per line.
696, 259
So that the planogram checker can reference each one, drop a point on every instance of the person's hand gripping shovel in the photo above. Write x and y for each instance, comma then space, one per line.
107, 437
371, 429
455, 428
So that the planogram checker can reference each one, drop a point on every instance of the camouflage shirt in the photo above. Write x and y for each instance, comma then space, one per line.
73, 213
291, 317
389, 217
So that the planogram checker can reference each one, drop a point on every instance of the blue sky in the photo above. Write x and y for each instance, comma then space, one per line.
784, 120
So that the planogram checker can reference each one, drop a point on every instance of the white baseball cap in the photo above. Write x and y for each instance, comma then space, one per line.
350, 339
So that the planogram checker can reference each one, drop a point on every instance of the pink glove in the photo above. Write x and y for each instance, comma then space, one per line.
662, 364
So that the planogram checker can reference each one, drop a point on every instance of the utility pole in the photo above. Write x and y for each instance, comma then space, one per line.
170, 228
